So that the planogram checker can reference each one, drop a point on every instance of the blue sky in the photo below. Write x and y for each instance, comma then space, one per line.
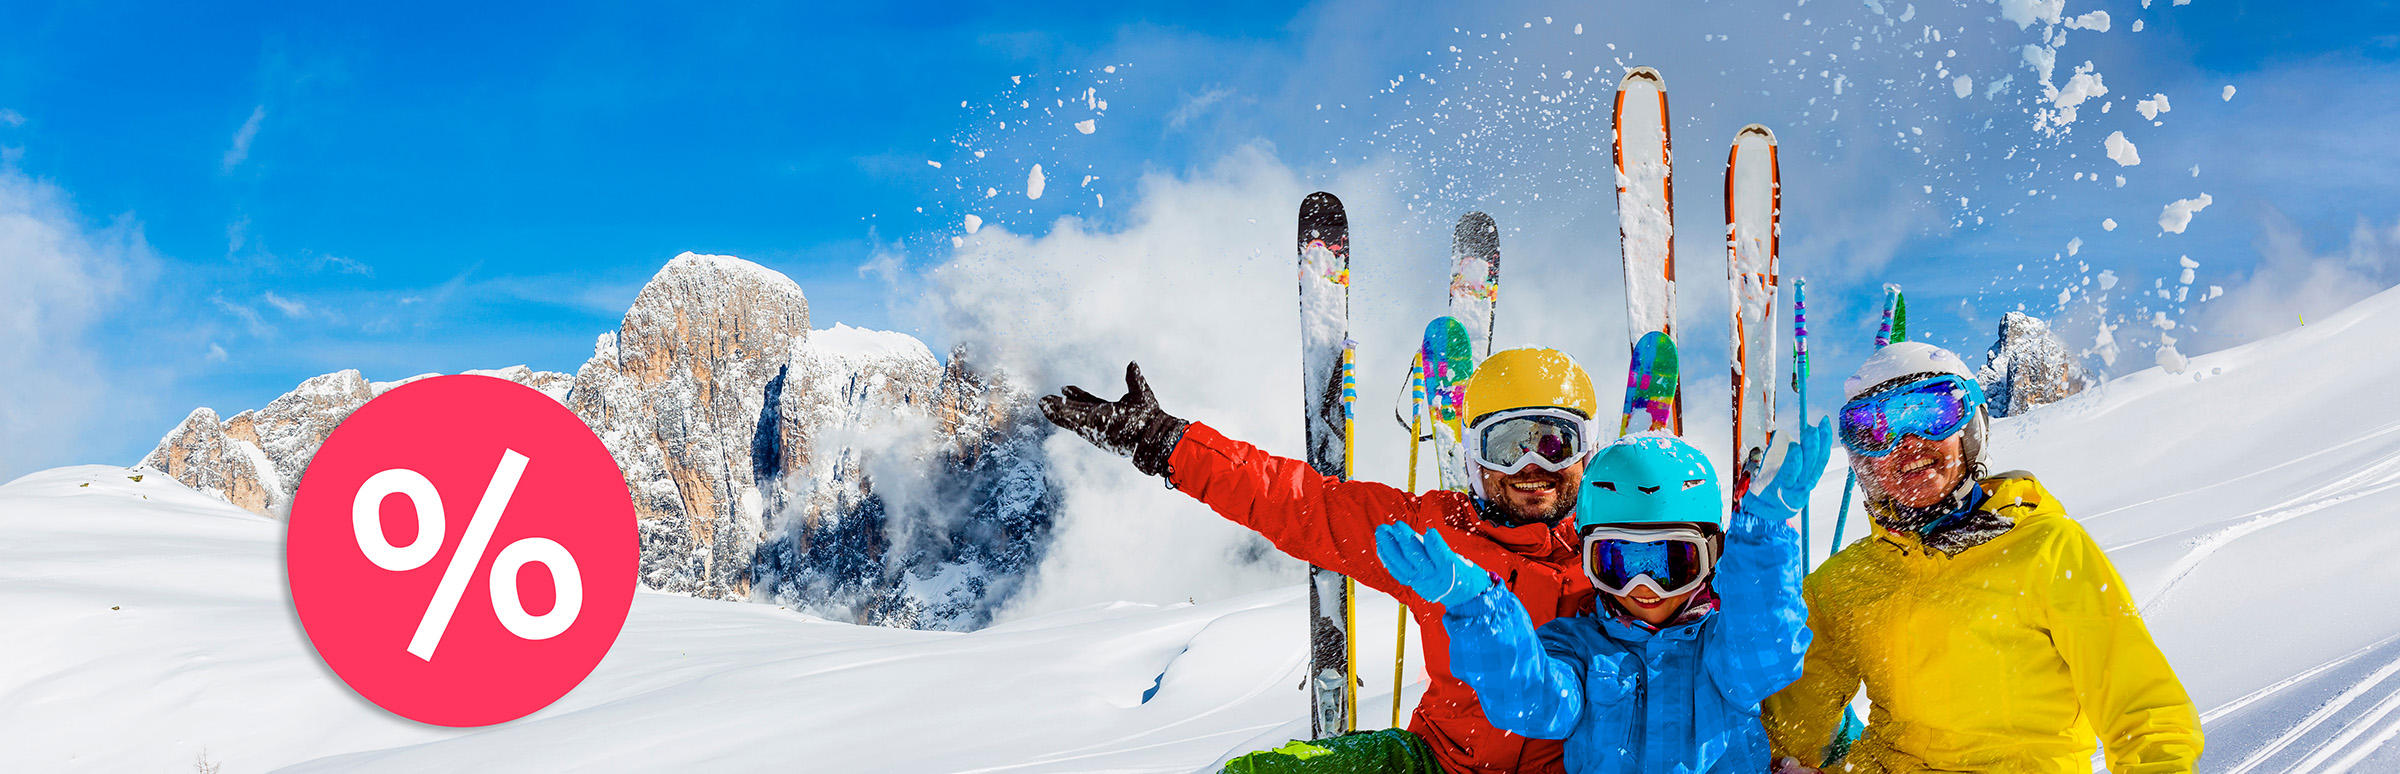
246, 199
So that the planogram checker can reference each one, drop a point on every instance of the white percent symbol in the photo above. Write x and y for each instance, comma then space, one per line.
366, 522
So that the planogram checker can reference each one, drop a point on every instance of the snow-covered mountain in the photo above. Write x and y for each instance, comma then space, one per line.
254, 459
2027, 367
843, 471
2246, 500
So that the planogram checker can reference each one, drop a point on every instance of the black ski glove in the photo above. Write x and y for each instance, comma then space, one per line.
1132, 426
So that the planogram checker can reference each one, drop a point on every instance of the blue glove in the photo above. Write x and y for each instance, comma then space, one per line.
1803, 464
1428, 566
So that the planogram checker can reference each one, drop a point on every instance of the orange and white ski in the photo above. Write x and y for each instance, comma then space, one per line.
1753, 218
1646, 208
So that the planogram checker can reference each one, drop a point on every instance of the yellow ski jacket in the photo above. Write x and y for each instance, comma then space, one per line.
2010, 656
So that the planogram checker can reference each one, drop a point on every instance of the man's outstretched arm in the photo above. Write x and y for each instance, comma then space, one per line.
1317, 519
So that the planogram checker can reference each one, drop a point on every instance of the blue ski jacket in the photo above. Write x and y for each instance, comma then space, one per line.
1629, 698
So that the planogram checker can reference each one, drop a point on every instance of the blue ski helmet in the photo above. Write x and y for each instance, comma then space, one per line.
1649, 478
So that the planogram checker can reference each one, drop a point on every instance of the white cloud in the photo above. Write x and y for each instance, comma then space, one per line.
2293, 281
290, 308
251, 319
11, 118
1192, 108
340, 264
234, 156
61, 277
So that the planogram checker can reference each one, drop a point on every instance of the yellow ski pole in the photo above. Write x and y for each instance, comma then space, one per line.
1400, 639
1349, 584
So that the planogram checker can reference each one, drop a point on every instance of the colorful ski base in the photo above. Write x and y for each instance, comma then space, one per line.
1326, 389
1449, 355
1753, 217
1653, 382
1644, 153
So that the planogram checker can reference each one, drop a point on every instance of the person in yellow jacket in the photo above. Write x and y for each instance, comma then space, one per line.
1990, 631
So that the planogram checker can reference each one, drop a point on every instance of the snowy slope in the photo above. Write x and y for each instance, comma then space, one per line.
2248, 501
201, 655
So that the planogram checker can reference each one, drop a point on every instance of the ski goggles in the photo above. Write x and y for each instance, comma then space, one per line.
1671, 561
1932, 409
1549, 438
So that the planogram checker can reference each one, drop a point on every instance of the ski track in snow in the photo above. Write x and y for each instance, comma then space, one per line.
2376, 478
2337, 726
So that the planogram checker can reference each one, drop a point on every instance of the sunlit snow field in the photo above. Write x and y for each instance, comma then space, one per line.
2247, 500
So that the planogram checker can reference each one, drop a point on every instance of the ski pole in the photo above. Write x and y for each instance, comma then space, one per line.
1800, 384
1349, 584
1894, 328
1416, 433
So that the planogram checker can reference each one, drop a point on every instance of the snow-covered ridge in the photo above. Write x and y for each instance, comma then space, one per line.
255, 458
741, 432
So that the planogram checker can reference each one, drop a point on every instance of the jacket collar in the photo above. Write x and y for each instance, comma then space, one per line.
1542, 540
1975, 522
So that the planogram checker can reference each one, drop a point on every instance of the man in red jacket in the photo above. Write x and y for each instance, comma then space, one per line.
1532, 427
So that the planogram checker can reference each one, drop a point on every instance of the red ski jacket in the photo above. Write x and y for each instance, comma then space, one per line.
1331, 523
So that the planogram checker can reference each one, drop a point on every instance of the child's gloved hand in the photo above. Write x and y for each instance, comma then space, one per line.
1428, 566
1803, 464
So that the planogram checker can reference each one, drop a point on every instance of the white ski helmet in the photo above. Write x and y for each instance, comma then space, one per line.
1908, 361
1903, 359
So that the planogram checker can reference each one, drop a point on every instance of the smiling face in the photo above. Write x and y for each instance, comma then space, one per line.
1651, 608
1918, 472
1534, 494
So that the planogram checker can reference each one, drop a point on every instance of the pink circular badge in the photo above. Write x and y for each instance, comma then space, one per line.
462, 551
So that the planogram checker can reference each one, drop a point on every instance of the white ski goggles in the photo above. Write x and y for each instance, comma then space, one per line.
1669, 560
1549, 438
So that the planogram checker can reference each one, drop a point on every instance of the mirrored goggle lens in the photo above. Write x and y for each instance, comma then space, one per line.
1934, 410
1558, 440
1673, 564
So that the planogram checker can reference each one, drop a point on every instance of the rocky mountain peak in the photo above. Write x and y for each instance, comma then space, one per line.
254, 460
676, 393
2027, 367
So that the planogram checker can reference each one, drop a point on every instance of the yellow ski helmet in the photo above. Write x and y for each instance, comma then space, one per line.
1526, 378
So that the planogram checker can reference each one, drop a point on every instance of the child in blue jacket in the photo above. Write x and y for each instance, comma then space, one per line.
1668, 673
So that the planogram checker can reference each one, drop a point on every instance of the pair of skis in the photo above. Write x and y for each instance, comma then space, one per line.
1646, 225
1330, 393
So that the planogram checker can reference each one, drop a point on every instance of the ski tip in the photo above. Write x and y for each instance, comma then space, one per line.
1760, 130
1643, 73
1475, 228
1321, 216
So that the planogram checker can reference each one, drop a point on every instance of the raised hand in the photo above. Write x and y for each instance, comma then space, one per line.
1427, 566
1132, 426
1803, 464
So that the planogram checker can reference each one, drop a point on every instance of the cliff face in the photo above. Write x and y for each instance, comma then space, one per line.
911, 493
676, 393
2027, 366
843, 471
